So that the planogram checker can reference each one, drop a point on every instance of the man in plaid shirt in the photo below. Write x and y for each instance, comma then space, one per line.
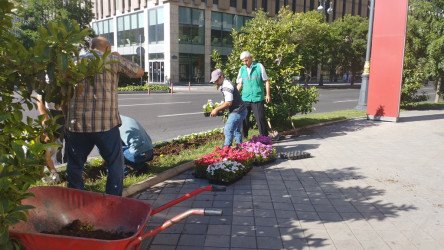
93, 120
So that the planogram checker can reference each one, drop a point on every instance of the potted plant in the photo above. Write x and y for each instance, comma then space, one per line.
209, 106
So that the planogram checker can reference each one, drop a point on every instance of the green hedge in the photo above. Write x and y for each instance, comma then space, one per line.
145, 88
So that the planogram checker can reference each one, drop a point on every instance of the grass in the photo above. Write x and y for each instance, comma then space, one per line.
168, 162
426, 106
311, 119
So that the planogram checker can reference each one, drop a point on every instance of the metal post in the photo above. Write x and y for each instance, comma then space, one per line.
325, 13
140, 41
363, 94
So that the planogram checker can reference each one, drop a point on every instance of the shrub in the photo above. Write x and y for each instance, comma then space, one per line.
145, 88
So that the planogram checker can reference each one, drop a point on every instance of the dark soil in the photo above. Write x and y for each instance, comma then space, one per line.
94, 173
78, 228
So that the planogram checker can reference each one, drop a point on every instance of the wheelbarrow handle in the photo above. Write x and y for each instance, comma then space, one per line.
178, 218
213, 212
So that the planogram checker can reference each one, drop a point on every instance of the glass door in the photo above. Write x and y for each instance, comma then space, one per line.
156, 72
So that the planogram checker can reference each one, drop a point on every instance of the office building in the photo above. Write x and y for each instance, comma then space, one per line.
174, 39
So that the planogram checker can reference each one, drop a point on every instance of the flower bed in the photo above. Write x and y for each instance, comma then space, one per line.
226, 172
262, 139
263, 153
220, 154
228, 164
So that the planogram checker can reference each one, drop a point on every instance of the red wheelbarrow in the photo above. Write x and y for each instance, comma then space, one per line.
56, 207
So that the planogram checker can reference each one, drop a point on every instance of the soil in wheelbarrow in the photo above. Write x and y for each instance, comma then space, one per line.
94, 173
78, 228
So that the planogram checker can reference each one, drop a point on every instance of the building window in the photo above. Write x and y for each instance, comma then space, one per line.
105, 29
155, 26
191, 67
156, 56
233, 3
191, 26
137, 58
221, 26
130, 30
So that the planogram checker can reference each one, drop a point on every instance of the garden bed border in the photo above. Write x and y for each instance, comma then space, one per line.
153, 180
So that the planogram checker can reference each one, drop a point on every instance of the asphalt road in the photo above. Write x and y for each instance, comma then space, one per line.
166, 116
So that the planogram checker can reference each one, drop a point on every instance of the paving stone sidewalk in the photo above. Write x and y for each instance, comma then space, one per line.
368, 185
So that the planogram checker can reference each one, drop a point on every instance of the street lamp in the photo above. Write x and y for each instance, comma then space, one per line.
363, 93
329, 12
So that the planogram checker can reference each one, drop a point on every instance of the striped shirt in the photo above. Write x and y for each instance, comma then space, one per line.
94, 107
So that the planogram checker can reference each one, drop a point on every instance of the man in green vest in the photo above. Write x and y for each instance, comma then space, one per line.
253, 81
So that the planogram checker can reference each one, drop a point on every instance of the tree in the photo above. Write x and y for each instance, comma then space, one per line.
435, 64
37, 13
22, 71
310, 33
424, 47
269, 41
350, 42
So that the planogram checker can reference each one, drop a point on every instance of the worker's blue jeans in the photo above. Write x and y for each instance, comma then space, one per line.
79, 146
233, 127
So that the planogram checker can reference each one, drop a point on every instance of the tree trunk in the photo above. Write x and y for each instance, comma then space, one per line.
438, 90
307, 79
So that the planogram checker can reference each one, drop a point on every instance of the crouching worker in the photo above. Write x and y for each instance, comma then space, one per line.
236, 107
137, 145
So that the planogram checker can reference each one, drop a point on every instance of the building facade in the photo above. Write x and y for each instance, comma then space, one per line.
173, 39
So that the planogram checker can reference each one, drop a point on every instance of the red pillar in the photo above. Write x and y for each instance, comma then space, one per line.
387, 58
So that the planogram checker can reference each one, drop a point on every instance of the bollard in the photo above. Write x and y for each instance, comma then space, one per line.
172, 88
189, 86
148, 91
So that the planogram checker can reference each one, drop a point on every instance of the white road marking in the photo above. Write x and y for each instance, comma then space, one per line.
149, 104
180, 114
354, 100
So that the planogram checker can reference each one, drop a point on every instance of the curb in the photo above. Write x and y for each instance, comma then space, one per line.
142, 185
293, 131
